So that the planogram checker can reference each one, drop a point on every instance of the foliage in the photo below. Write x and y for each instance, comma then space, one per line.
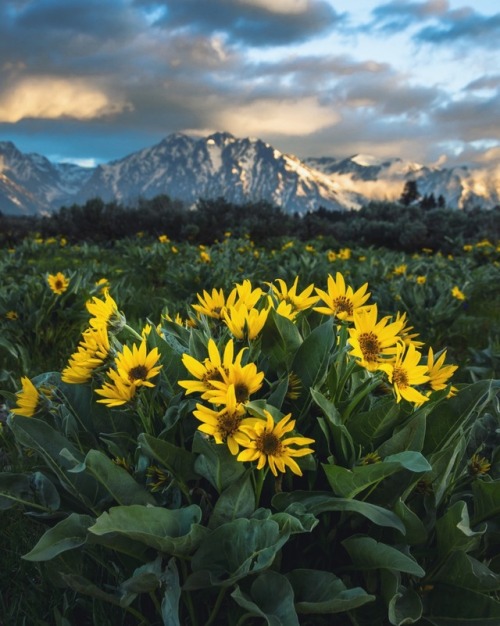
376, 511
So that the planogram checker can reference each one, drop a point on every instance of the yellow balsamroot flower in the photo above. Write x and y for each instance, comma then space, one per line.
244, 295
28, 399
373, 342
224, 425
405, 333
421, 280
205, 257
93, 350
331, 256
456, 293
117, 392
285, 309
212, 305
345, 254
341, 301
266, 442
479, 465
245, 379
211, 369
299, 301
105, 313
439, 373
399, 270
163, 239
12, 315
244, 323
58, 283
405, 372
136, 366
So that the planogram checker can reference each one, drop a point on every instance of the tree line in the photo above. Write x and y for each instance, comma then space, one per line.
407, 226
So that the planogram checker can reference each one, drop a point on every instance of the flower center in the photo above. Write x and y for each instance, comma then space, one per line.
269, 444
211, 375
228, 424
241, 392
370, 346
400, 377
59, 284
343, 305
139, 372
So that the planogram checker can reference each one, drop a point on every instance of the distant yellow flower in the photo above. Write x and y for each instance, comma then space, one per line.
373, 342
405, 372
341, 301
287, 245
309, 248
28, 399
105, 313
224, 425
245, 324
163, 239
205, 257
439, 373
479, 465
468, 247
345, 254
331, 256
421, 280
267, 442
456, 293
362, 258
399, 270
174, 250
12, 315
299, 301
58, 283
211, 368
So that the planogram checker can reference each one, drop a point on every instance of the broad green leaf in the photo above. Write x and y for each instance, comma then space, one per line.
172, 596
88, 588
216, 463
116, 480
368, 554
405, 607
409, 437
68, 534
234, 550
486, 500
311, 360
453, 530
319, 592
280, 340
373, 426
446, 423
416, 532
319, 502
444, 465
340, 440
145, 579
34, 491
238, 500
348, 483
178, 461
271, 598
455, 606
463, 570
175, 532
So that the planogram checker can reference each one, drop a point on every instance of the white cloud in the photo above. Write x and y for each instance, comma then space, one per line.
279, 6
47, 97
282, 117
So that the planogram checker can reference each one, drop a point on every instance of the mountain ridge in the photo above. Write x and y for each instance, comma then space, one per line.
242, 170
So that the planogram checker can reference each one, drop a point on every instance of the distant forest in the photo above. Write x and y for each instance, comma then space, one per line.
406, 226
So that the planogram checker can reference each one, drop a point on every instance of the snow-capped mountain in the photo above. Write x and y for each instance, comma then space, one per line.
31, 184
240, 170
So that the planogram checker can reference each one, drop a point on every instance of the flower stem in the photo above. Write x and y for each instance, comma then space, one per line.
216, 606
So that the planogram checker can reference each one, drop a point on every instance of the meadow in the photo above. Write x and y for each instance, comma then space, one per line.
249, 434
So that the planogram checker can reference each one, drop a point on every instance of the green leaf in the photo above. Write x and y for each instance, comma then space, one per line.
31, 490
311, 360
348, 483
174, 532
179, 462
453, 530
455, 606
416, 532
318, 592
446, 423
373, 426
486, 500
342, 445
463, 570
409, 437
270, 597
405, 607
238, 500
68, 534
280, 340
116, 480
88, 588
368, 554
295, 519
319, 502
216, 463
234, 550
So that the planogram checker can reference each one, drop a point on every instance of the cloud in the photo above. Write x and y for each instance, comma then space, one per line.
463, 25
399, 14
251, 22
296, 118
48, 97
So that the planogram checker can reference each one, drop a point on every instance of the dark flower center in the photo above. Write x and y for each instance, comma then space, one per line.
370, 346
343, 305
269, 444
139, 372
241, 392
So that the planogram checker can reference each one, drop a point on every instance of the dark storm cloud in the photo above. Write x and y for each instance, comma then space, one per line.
248, 22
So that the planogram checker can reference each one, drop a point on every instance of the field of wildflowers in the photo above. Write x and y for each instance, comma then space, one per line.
239, 435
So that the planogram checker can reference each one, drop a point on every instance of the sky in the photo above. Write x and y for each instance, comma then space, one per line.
90, 81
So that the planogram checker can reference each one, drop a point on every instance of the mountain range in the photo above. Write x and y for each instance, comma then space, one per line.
240, 170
